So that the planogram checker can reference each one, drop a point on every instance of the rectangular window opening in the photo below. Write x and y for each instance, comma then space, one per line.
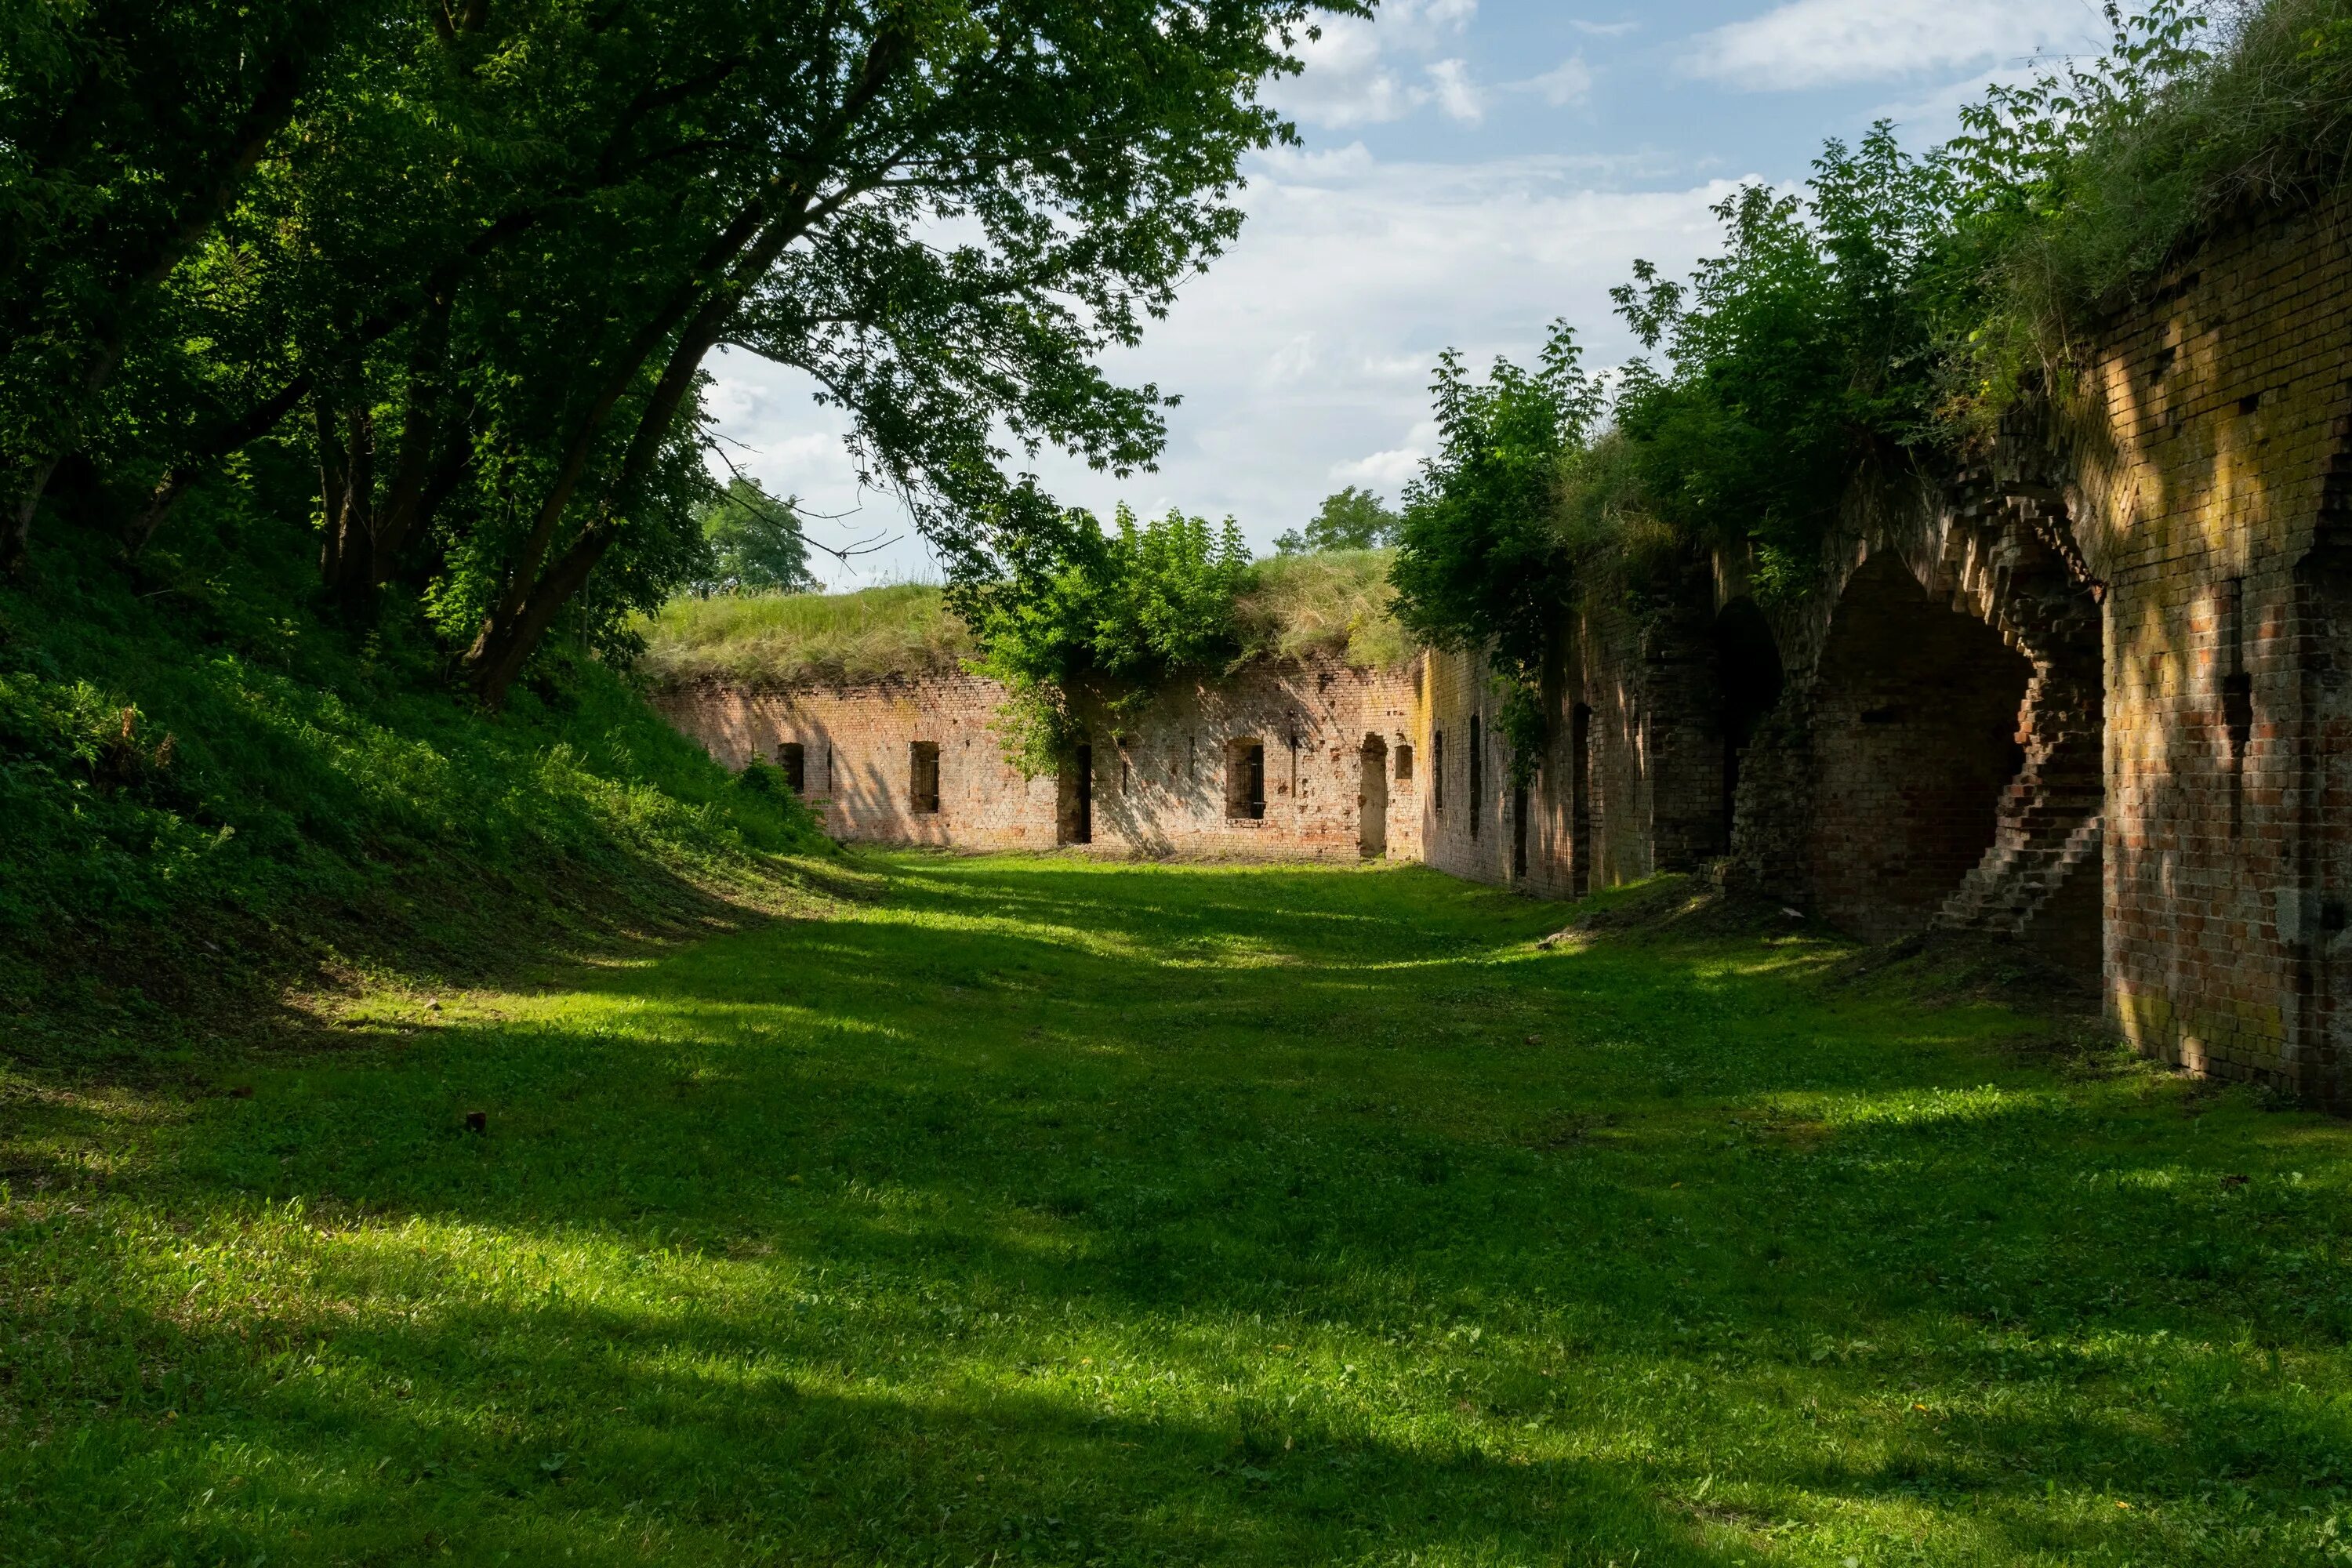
1245, 779
923, 776
1404, 762
1477, 775
792, 757
1437, 772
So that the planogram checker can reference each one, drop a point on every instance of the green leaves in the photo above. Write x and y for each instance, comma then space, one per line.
1068, 610
1480, 561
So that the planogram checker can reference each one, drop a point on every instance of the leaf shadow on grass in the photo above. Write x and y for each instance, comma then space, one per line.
849, 1140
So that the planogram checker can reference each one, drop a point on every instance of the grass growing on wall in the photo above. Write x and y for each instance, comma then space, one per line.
1332, 604
788, 639
1045, 1211
1335, 603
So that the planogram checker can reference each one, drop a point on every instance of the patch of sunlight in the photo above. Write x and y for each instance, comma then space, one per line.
1926, 1105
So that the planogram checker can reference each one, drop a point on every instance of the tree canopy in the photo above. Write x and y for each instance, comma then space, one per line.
1350, 519
453, 267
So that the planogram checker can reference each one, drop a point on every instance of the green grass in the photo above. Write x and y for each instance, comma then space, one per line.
783, 639
1335, 602
1042, 1211
208, 790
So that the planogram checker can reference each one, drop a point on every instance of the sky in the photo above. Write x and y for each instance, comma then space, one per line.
1471, 170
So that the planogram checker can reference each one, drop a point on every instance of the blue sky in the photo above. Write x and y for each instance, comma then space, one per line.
1472, 168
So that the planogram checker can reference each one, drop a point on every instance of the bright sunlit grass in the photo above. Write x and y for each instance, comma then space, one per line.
998, 1220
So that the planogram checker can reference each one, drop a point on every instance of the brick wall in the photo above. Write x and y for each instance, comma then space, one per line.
1159, 781
2208, 492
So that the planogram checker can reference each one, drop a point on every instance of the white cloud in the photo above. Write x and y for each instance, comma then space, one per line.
1570, 82
1352, 76
1823, 43
1387, 472
1456, 93
1304, 355
1607, 29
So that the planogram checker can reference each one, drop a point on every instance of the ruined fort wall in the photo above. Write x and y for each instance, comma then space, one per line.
2207, 461
1159, 773
857, 749
1588, 809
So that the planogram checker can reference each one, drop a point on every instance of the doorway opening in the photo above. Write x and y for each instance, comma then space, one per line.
1372, 800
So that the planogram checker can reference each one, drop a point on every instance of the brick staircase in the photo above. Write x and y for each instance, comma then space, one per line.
2012, 563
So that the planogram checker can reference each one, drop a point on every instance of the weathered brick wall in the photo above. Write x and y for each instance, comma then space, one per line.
2208, 491
1915, 711
1159, 775
1587, 809
856, 743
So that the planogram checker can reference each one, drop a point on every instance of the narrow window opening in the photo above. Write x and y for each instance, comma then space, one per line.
1437, 773
1518, 830
792, 757
1077, 814
1245, 779
2237, 684
923, 776
1580, 801
1405, 763
1478, 776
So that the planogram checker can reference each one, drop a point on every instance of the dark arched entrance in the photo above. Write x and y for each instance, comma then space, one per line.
1916, 718
1748, 680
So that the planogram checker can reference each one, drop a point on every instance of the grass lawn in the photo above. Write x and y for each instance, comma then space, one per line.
1040, 1211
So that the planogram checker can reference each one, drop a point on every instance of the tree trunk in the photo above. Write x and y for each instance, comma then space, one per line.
511, 632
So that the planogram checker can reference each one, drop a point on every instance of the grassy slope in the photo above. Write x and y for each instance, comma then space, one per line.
291, 801
1054, 1212
1333, 604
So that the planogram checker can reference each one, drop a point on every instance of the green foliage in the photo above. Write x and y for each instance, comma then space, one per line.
1799, 354
1073, 610
1480, 564
1125, 1215
755, 540
1350, 519
2077, 187
771, 640
474, 256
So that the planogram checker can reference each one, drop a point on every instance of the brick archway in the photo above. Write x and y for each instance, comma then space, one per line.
1914, 714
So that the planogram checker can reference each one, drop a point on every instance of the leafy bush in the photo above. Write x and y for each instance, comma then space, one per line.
1075, 610
1482, 563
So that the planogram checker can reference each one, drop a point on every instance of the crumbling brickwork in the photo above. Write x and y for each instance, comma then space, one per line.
1159, 777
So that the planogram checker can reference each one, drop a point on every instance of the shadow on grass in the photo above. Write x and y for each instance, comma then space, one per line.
1066, 1212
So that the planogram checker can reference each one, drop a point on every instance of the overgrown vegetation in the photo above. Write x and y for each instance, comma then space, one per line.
1332, 604
1042, 1210
768, 640
1076, 612
1879, 319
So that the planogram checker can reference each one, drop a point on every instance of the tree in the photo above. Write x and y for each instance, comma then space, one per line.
1072, 609
755, 542
1481, 564
1349, 520
1085, 154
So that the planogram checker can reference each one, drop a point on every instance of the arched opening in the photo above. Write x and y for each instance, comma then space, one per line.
1748, 681
1915, 735
1372, 800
